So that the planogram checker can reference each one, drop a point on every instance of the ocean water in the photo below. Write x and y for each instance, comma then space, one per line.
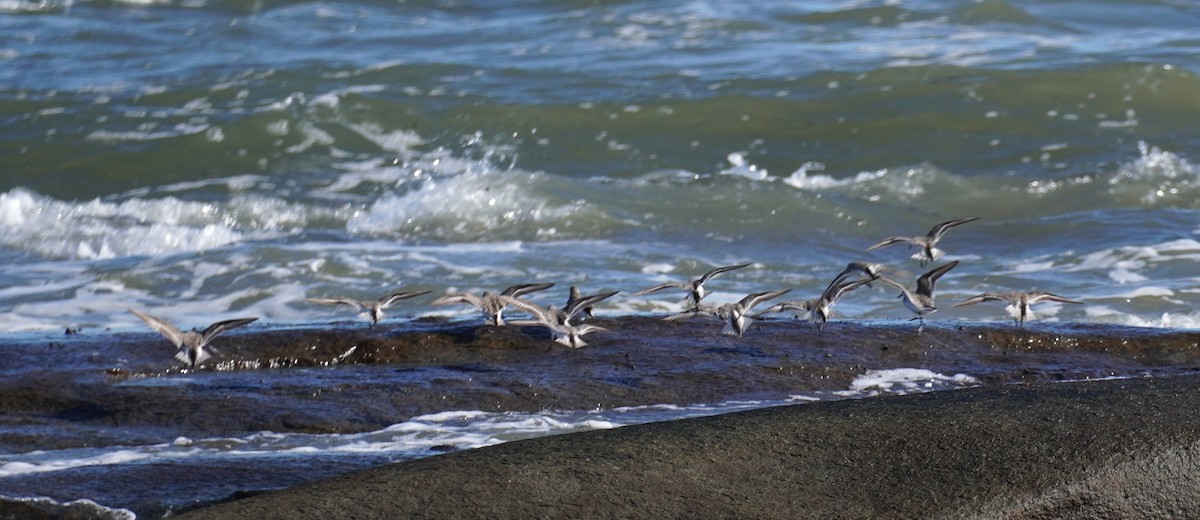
210, 159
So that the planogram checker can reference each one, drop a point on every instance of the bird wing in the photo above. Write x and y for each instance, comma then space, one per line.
903, 290
573, 296
892, 240
926, 281
691, 313
221, 326
527, 323
523, 289
388, 300
985, 297
850, 269
720, 270
335, 301
833, 293
582, 302
1039, 296
539, 313
454, 298
940, 229
586, 328
751, 300
158, 324
784, 307
663, 286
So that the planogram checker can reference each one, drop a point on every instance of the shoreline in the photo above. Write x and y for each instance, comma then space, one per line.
1115, 448
124, 389
343, 379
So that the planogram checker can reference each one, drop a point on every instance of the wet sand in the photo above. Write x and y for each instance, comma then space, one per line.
1102, 449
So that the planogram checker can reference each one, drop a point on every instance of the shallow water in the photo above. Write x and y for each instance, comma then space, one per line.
205, 160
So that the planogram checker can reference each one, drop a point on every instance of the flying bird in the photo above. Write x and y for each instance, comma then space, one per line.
921, 302
817, 310
736, 315
191, 343
869, 271
557, 321
492, 305
370, 310
694, 287
577, 303
1018, 302
927, 243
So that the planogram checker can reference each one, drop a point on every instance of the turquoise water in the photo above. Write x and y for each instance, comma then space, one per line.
206, 158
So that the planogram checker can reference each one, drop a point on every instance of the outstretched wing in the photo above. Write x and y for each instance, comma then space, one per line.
691, 313
1042, 296
851, 268
166, 329
539, 313
926, 281
586, 328
784, 307
751, 300
720, 270
388, 300
221, 326
980, 298
335, 301
936, 233
578, 303
523, 289
664, 286
890, 241
834, 292
453, 298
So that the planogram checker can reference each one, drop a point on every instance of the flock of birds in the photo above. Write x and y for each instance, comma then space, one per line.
565, 323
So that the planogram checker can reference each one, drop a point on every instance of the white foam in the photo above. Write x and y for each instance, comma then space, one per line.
234, 183
1157, 176
1168, 320
901, 183
24, 6
96, 229
416, 437
82, 508
906, 380
396, 141
178, 130
467, 206
800, 179
1149, 291
659, 268
1122, 275
740, 167
46, 461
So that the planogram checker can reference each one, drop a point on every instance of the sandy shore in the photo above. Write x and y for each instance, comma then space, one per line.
1106, 449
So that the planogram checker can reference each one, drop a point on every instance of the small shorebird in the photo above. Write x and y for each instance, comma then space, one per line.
1018, 302
928, 252
492, 305
921, 302
191, 343
557, 321
578, 303
736, 315
694, 287
818, 310
370, 310
870, 271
